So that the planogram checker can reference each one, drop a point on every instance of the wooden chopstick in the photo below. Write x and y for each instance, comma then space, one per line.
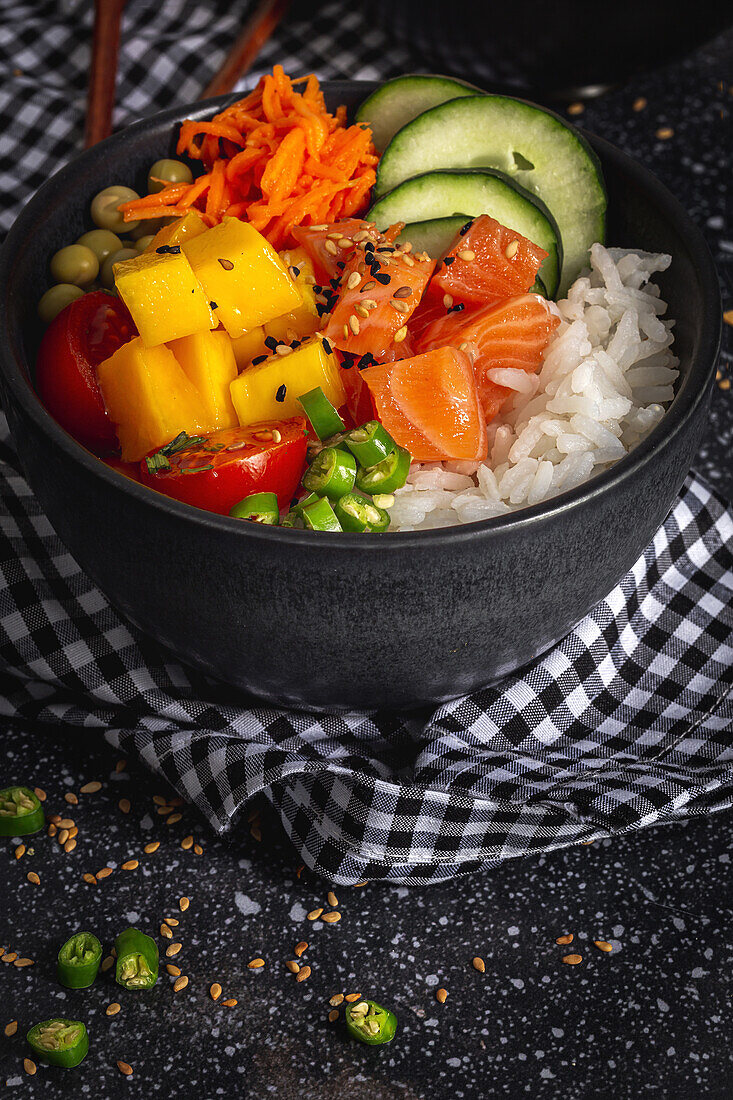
243, 54
103, 71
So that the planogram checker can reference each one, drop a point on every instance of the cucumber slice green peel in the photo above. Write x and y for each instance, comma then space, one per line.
509, 135
438, 196
398, 101
433, 235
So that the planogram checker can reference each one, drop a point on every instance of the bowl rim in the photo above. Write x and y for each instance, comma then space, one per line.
683, 408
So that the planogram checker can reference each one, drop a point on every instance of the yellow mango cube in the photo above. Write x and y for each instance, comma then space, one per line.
148, 397
242, 274
164, 297
300, 322
270, 390
207, 360
178, 231
248, 346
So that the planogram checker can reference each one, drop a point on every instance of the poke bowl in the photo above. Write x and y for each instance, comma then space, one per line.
333, 619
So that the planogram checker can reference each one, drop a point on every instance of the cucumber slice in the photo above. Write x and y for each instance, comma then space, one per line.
398, 101
534, 147
433, 235
438, 195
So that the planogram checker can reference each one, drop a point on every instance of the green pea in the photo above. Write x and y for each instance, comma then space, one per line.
108, 275
104, 208
142, 242
74, 264
56, 299
102, 243
146, 227
170, 171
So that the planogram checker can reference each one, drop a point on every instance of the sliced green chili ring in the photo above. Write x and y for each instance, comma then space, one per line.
324, 419
21, 812
293, 519
388, 475
258, 508
357, 513
59, 1042
370, 443
311, 498
370, 1023
331, 473
78, 961
321, 517
137, 960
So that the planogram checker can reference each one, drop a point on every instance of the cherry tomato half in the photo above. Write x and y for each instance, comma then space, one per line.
83, 335
224, 467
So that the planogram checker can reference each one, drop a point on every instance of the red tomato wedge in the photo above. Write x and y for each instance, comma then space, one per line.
83, 335
513, 334
487, 264
380, 290
218, 470
430, 405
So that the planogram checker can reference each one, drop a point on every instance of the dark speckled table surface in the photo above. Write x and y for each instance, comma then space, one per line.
650, 1018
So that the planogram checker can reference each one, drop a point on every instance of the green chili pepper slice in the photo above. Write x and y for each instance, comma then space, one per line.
331, 473
59, 1042
321, 517
258, 508
324, 419
137, 960
305, 502
370, 443
370, 1023
78, 961
293, 519
357, 513
388, 475
21, 812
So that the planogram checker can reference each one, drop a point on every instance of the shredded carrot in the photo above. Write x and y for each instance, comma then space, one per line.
276, 158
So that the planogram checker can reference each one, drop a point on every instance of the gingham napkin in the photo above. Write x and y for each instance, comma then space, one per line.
627, 723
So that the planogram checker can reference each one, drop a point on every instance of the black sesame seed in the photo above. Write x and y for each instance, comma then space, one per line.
448, 260
281, 391
386, 248
336, 284
369, 246
384, 278
296, 272
259, 359
464, 229
213, 305
169, 249
317, 288
457, 307
326, 346
340, 265
271, 343
366, 361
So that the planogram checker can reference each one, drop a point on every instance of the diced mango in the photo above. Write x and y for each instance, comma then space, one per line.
249, 345
270, 390
148, 397
300, 322
178, 231
207, 360
242, 274
164, 297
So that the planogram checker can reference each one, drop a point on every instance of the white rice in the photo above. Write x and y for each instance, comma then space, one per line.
607, 375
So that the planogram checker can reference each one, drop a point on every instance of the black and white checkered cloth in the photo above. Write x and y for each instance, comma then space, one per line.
627, 723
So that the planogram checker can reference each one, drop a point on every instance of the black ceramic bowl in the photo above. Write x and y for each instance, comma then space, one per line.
319, 620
